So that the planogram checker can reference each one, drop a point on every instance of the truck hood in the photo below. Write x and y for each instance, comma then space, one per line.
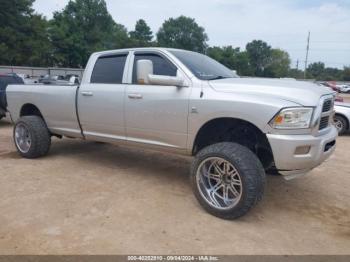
300, 92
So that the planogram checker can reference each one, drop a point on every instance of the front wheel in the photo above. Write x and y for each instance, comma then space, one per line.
32, 137
227, 179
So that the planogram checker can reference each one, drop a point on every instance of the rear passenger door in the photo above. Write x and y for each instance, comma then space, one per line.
101, 101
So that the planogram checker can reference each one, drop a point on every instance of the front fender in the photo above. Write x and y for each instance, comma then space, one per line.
214, 105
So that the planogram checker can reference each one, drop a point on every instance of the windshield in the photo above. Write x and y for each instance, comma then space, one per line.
203, 67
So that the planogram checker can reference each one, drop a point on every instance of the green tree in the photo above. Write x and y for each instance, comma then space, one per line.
142, 35
296, 73
231, 57
243, 66
316, 70
225, 55
83, 27
215, 52
346, 73
279, 64
259, 54
331, 74
23, 35
182, 32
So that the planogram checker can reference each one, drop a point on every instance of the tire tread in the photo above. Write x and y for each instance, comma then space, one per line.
40, 135
249, 166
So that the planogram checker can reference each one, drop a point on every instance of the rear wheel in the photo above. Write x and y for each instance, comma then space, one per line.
32, 137
227, 179
340, 123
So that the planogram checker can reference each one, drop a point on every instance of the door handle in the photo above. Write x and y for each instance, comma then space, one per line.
135, 96
87, 93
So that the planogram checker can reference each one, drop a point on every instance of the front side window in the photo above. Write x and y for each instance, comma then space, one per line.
109, 69
161, 66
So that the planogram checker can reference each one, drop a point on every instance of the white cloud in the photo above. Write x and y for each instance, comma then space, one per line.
282, 24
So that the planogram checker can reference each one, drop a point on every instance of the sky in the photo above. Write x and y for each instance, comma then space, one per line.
281, 23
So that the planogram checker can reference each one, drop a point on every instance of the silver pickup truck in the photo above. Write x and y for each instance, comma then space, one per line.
185, 102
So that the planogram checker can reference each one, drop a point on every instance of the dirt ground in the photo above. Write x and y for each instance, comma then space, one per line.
346, 97
90, 198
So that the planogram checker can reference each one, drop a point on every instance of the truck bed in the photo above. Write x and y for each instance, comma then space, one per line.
57, 103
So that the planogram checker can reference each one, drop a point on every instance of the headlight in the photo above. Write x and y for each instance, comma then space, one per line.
293, 118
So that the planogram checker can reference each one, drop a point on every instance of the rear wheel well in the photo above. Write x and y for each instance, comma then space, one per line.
30, 110
235, 130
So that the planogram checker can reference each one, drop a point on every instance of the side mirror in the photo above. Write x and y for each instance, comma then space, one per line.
145, 76
144, 68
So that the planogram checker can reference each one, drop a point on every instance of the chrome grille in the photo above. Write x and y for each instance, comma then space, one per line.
327, 105
326, 108
324, 122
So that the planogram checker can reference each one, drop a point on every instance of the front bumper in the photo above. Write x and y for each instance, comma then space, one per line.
292, 164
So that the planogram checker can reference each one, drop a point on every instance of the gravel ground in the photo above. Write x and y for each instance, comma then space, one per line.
90, 198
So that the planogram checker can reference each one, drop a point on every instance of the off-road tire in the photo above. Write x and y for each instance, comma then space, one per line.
39, 134
251, 172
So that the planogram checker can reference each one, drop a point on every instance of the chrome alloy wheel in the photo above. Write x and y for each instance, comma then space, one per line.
338, 124
219, 183
22, 138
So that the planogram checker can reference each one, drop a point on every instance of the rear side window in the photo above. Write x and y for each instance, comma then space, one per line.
109, 70
161, 66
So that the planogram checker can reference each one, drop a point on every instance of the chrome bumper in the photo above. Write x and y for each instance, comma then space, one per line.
289, 163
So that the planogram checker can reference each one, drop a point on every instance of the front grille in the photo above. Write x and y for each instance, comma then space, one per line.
326, 114
327, 105
324, 122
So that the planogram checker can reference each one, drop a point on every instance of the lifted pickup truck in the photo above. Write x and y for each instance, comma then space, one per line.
187, 103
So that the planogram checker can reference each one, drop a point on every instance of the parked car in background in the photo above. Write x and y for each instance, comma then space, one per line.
342, 117
31, 81
27, 79
23, 76
6, 79
49, 79
344, 88
331, 85
72, 78
59, 80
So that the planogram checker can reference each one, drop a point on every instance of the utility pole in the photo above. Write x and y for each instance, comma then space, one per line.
307, 53
298, 64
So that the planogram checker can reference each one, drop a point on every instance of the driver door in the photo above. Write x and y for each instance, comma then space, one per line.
155, 114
